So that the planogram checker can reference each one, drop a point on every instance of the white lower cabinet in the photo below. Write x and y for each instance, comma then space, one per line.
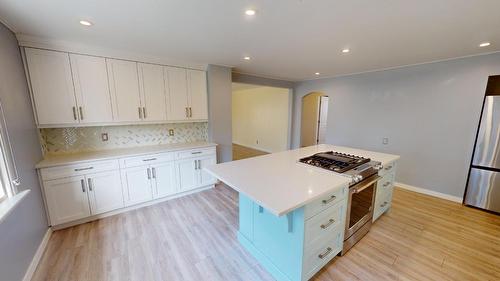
75, 192
67, 199
105, 192
137, 185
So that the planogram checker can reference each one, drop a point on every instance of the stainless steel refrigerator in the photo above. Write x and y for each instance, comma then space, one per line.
483, 184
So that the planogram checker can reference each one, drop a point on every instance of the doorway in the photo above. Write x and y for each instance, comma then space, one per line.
313, 119
261, 118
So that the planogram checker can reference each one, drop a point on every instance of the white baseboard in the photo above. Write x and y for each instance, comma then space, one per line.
429, 192
253, 146
38, 255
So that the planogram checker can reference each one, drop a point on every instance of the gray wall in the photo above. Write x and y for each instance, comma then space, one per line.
219, 110
429, 112
22, 231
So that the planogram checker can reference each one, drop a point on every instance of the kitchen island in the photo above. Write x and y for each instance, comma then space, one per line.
292, 216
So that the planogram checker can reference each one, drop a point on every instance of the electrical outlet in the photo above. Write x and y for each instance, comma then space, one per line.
385, 141
171, 132
104, 137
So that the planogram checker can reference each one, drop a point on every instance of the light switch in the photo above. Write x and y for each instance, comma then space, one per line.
385, 141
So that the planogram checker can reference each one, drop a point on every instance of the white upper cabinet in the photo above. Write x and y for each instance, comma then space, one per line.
91, 87
197, 90
124, 86
178, 92
52, 87
153, 93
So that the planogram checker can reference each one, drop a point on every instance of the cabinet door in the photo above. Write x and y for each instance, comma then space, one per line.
153, 93
206, 178
67, 199
197, 86
52, 87
124, 86
178, 94
137, 185
105, 192
92, 89
188, 175
165, 183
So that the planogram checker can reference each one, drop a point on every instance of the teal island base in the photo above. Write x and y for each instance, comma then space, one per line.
298, 244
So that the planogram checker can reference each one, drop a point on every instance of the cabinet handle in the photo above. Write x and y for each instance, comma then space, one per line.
81, 112
196, 152
149, 173
196, 164
388, 168
140, 112
326, 201
326, 225
83, 169
190, 112
90, 184
199, 164
387, 184
74, 113
326, 253
83, 185
144, 112
187, 112
154, 172
383, 205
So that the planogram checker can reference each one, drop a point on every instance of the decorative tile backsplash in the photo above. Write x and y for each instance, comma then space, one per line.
80, 139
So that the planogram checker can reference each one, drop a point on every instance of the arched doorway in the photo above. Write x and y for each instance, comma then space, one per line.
313, 119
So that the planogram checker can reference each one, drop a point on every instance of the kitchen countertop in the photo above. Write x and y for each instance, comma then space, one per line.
279, 183
81, 157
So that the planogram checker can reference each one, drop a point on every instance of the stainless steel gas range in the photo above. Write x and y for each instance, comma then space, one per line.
362, 188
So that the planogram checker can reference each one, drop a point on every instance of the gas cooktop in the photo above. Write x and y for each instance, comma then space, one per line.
335, 161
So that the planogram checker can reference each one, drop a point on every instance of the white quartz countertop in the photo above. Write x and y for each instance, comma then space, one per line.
279, 183
74, 158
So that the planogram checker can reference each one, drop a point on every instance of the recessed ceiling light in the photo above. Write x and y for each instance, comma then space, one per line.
346, 50
85, 22
484, 44
317, 73
250, 12
246, 58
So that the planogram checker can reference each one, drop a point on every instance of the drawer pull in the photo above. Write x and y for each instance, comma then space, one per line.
383, 205
326, 253
326, 225
387, 184
388, 168
196, 152
326, 201
84, 169
149, 159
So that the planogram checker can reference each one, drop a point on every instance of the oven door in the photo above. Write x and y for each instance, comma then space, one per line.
360, 205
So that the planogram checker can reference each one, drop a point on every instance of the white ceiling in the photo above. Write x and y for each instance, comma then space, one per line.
290, 39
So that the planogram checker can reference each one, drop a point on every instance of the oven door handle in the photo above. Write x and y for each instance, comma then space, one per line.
366, 185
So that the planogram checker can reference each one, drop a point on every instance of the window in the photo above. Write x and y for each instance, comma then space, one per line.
8, 172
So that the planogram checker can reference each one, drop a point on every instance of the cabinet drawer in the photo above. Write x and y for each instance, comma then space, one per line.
388, 168
325, 202
382, 204
321, 252
146, 160
195, 153
325, 223
386, 183
78, 169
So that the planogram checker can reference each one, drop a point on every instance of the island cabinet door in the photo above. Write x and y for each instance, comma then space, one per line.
280, 239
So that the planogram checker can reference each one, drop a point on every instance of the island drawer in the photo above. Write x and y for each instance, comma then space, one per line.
321, 252
382, 204
146, 159
78, 169
388, 168
325, 223
325, 202
385, 183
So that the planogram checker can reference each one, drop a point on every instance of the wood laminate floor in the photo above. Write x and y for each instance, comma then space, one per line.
194, 238
242, 152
